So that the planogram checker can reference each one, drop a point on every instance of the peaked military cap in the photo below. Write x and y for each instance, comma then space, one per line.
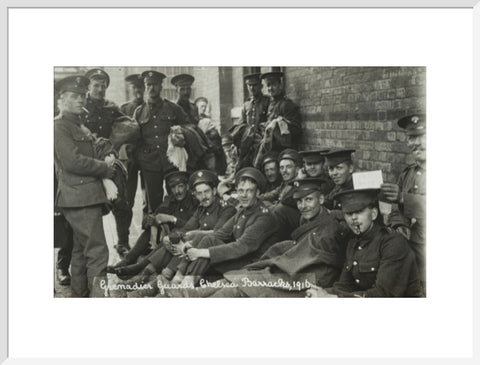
254, 174
269, 157
337, 156
272, 75
201, 98
306, 186
290, 154
176, 177
135, 79
252, 79
203, 176
97, 73
313, 156
153, 75
183, 80
414, 125
355, 200
75, 84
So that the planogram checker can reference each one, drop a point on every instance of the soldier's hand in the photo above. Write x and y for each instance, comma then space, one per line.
391, 192
404, 231
110, 174
110, 159
197, 253
148, 220
318, 292
164, 218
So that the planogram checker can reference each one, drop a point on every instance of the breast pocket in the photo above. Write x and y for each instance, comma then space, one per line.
369, 267
84, 144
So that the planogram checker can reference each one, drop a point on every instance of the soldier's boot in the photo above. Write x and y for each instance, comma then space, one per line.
127, 272
143, 277
63, 276
123, 219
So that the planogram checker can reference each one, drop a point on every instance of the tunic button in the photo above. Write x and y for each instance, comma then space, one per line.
243, 216
181, 209
419, 172
359, 248
339, 204
154, 126
238, 227
154, 116
204, 224
158, 146
81, 181
99, 117
373, 269
314, 233
294, 242
100, 127
357, 281
156, 136
355, 263
415, 187
208, 213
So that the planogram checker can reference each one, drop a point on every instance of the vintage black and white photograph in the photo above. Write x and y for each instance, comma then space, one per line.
240, 182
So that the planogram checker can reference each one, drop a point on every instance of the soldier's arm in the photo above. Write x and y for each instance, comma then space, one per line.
225, 233
72, 160
250, 241
192, 223
291, 113
271, 196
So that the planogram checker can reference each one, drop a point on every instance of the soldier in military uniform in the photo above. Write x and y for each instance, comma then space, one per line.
410, 192
248, 132
253, 229
155, 116
271, 170
176, 209
183, 84
340, 168
81, 195
101, 116
379, 262
137, 89
283, 126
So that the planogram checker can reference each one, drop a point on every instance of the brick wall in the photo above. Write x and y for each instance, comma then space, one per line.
357, 107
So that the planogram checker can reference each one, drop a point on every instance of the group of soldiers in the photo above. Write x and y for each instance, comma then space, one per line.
242, 215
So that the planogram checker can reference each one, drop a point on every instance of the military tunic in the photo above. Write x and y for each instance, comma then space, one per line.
331, 203
190, 109
412, 212
378, 263
81, 197
241, 240
100, 117
155, 121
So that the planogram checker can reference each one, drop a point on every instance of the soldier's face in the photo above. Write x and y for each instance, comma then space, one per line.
361, 221
152, 89
274, 87
205, 194
418, 146
313, 169
271, 171
247, 193
340, 173
97, 89
288, 169
310, 205
72, 102
179, 191
202, 107
254, 89
184, 92
137, 91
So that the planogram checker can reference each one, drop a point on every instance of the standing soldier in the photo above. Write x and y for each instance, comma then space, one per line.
155, 116
410, 192
80, 193
183, 84
283, 126
137, 88
248, 133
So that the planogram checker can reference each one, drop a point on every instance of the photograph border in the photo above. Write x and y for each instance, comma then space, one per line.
6, 5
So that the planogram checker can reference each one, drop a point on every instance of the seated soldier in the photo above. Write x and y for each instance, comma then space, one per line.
271, 171
177, 207
242, 239
313, 166
379, 262
316, 255
284, 208
211, 214
340, 168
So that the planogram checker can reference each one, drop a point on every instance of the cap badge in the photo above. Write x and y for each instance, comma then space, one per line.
200, 174
99, 72
415, 119
296, 184
150, 74
78, 80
